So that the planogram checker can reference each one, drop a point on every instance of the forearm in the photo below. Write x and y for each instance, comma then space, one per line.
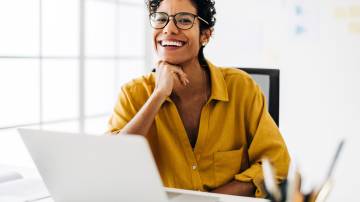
166, 76
140, 124
237, 188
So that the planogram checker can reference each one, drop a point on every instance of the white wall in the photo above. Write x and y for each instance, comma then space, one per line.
320, 68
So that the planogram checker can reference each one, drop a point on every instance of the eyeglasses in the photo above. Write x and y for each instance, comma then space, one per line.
183, 20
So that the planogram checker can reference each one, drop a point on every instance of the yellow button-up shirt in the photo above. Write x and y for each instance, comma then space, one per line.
235, 133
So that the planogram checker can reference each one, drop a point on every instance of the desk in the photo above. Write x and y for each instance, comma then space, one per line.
18, 188
182, 196
33, 188
221, 197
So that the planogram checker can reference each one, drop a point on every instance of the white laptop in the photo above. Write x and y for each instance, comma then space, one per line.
79, 167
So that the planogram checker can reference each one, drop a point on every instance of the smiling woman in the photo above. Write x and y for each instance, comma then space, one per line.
180, 28
208, 127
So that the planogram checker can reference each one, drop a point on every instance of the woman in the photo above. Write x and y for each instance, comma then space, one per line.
208, 127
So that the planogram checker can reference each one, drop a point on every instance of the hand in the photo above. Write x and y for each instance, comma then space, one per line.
168, 76
236, 188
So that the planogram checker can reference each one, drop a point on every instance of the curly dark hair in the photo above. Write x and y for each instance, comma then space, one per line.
205, 9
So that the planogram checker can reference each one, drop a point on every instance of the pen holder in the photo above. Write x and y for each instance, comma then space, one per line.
316, 195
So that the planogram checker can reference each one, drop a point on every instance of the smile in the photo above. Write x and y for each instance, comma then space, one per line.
168, 43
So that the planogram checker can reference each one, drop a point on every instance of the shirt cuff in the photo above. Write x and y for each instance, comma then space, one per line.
254, 174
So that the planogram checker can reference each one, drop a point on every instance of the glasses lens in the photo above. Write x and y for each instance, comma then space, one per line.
184, 20
158, 20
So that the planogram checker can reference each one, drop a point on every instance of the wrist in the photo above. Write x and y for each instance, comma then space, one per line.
159, 95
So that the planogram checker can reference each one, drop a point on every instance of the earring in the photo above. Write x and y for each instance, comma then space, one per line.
204, 43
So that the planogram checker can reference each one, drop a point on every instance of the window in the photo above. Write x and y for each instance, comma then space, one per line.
62, 64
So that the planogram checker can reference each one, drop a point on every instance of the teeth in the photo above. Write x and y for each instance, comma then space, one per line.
172, 43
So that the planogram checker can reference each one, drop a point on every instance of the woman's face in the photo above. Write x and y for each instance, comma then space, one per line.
188, 41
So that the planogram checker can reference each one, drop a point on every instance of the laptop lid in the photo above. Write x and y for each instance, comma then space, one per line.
80, 167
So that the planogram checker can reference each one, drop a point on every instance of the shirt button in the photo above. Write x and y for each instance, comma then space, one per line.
194, 167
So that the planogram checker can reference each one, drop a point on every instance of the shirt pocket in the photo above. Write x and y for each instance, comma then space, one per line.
226, 165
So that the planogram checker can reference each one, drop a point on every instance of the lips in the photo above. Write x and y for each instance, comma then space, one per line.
171, 43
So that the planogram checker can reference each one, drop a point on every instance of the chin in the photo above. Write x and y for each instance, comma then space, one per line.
172, 59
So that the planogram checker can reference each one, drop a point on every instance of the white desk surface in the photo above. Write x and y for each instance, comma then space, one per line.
32, 182
222, 197
43, 196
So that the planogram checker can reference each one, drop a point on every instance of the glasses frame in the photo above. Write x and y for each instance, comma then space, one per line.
169, 17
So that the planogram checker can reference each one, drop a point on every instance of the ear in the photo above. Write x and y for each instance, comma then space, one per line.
205, 36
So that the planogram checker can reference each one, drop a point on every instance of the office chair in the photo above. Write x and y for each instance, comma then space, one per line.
269, 82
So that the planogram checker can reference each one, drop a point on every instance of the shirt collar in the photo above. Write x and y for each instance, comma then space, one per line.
218, 85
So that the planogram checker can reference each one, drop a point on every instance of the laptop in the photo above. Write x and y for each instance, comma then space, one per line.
80, 167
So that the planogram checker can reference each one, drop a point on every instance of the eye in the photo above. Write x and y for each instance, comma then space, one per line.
159, 18
184, 20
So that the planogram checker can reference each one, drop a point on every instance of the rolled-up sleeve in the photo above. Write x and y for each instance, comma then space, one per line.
264, 141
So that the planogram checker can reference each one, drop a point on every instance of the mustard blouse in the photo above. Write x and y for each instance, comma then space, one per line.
236, 132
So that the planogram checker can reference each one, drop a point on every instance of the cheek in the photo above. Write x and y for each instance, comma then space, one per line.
194, 43
195, 40
154, 36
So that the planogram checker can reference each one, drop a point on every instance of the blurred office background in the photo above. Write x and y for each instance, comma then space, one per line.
62, 63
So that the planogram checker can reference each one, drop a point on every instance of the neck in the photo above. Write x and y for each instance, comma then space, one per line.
198, 77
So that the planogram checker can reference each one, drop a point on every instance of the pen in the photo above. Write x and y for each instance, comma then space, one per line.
269, 180
341, 145
321, 194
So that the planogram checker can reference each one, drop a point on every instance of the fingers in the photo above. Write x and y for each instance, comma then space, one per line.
181, 76
175, 70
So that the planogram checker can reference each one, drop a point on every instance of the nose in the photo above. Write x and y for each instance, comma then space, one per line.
170, 28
